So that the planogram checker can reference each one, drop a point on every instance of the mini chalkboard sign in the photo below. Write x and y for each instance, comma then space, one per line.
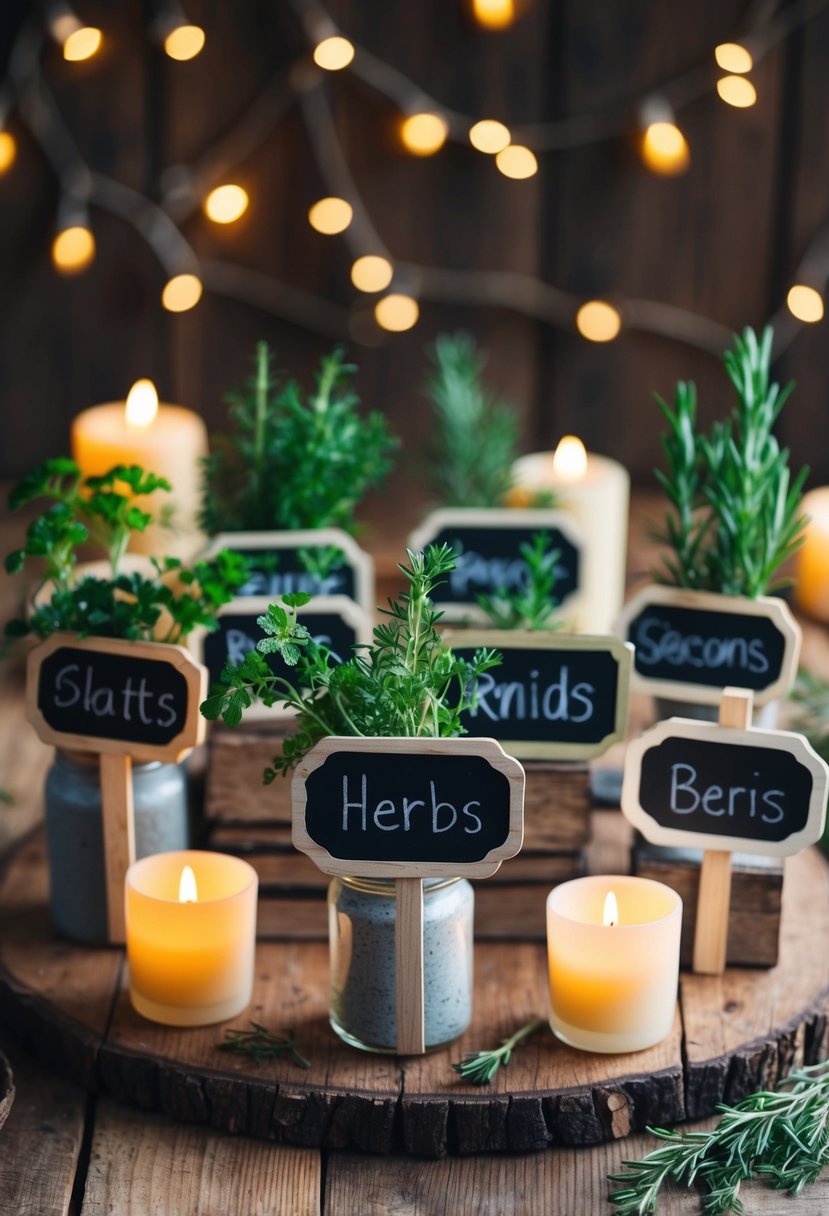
277, 567
333, 621
408, 809
123, 701
725, 788
488, 544
692, 644
555, 696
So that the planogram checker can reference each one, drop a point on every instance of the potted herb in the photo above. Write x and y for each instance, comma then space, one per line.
406, 683
161, 602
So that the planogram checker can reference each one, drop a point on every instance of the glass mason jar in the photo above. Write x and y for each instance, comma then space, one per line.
361, 922
74, 835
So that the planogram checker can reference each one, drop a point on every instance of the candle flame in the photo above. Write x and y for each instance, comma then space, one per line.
187, 890
570, 459
142, 403
610, 916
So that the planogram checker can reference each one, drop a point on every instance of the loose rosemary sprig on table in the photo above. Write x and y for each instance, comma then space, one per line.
480, 1067
779, 1136
261, 1045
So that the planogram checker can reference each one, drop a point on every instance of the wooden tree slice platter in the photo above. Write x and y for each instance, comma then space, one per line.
6, 1089
732, 1034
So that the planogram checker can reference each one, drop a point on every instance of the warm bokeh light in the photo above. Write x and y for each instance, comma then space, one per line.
805, 303
333, 54
82, 43
570, 459
489, 135
665, 149
396, 313
330, 215
182, 292
142, 404
187, 889
732, 57
184, 42
423, 134
598, 321
737, 91
8, 150
73, 249
610, 913
226, 203
517, 162
371, 273
494, 14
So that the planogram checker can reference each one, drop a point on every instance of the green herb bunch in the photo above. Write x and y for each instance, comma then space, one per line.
810, 699
532, 605
735, 509
100, 511
407, 682
293, 462
782, 1138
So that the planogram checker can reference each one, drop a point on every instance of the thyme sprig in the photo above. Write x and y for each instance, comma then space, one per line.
781, 1137
260, 1044
530, 606
479, 1067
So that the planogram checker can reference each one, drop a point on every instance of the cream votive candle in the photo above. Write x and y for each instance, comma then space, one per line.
191, 936
613, 958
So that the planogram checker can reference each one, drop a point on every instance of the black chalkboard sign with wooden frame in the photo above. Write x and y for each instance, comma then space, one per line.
555, 696
691, 644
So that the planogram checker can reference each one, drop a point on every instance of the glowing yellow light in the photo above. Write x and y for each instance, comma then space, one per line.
73, 249
8, 150
494, 14
182, 292
570, 459
371, 273
187, 890
488, 135
330, 215
610, 914
423, 134
396, 313
142, 404
226, 204
598, 321
805, 303
82, 43
517, 161
732, 57
184, 42
333, 54
665, 149
737, 91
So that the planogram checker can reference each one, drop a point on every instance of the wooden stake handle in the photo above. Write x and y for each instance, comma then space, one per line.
119, 837
409, 957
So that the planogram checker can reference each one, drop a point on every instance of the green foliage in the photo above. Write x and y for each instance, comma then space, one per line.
810, 697
479, 1067
735, 510
407, 682
531, 606
290, 462
782, 1138
260, 1045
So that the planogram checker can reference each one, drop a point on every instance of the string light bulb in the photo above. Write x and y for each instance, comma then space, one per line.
805, 303
737, 91
517, 162
182, 292
334, 53
396, 313
665, 149
371, 273
330, 215
423, 134
181, 38
598, 321
494, 14
73, 249
8, 151
226, 203
77, 40
489, 136
733, 57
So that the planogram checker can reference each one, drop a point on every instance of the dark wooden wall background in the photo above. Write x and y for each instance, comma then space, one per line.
723, 240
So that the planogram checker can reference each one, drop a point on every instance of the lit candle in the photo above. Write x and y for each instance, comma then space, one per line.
613, 954
595, 491
168, 440
191, 936
812, 567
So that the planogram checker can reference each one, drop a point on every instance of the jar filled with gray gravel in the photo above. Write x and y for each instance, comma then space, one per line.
361, 920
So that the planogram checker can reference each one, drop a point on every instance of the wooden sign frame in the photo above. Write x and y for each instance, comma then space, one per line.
552, 641
492, 519
313, 538
770, 607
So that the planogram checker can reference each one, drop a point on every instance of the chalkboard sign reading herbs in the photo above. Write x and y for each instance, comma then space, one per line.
488, 544
692, 644
554, 696
280, 564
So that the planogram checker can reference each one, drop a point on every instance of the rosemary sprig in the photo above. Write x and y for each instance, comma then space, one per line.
261, 1045
782, 1137
532, 605
480, 1067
